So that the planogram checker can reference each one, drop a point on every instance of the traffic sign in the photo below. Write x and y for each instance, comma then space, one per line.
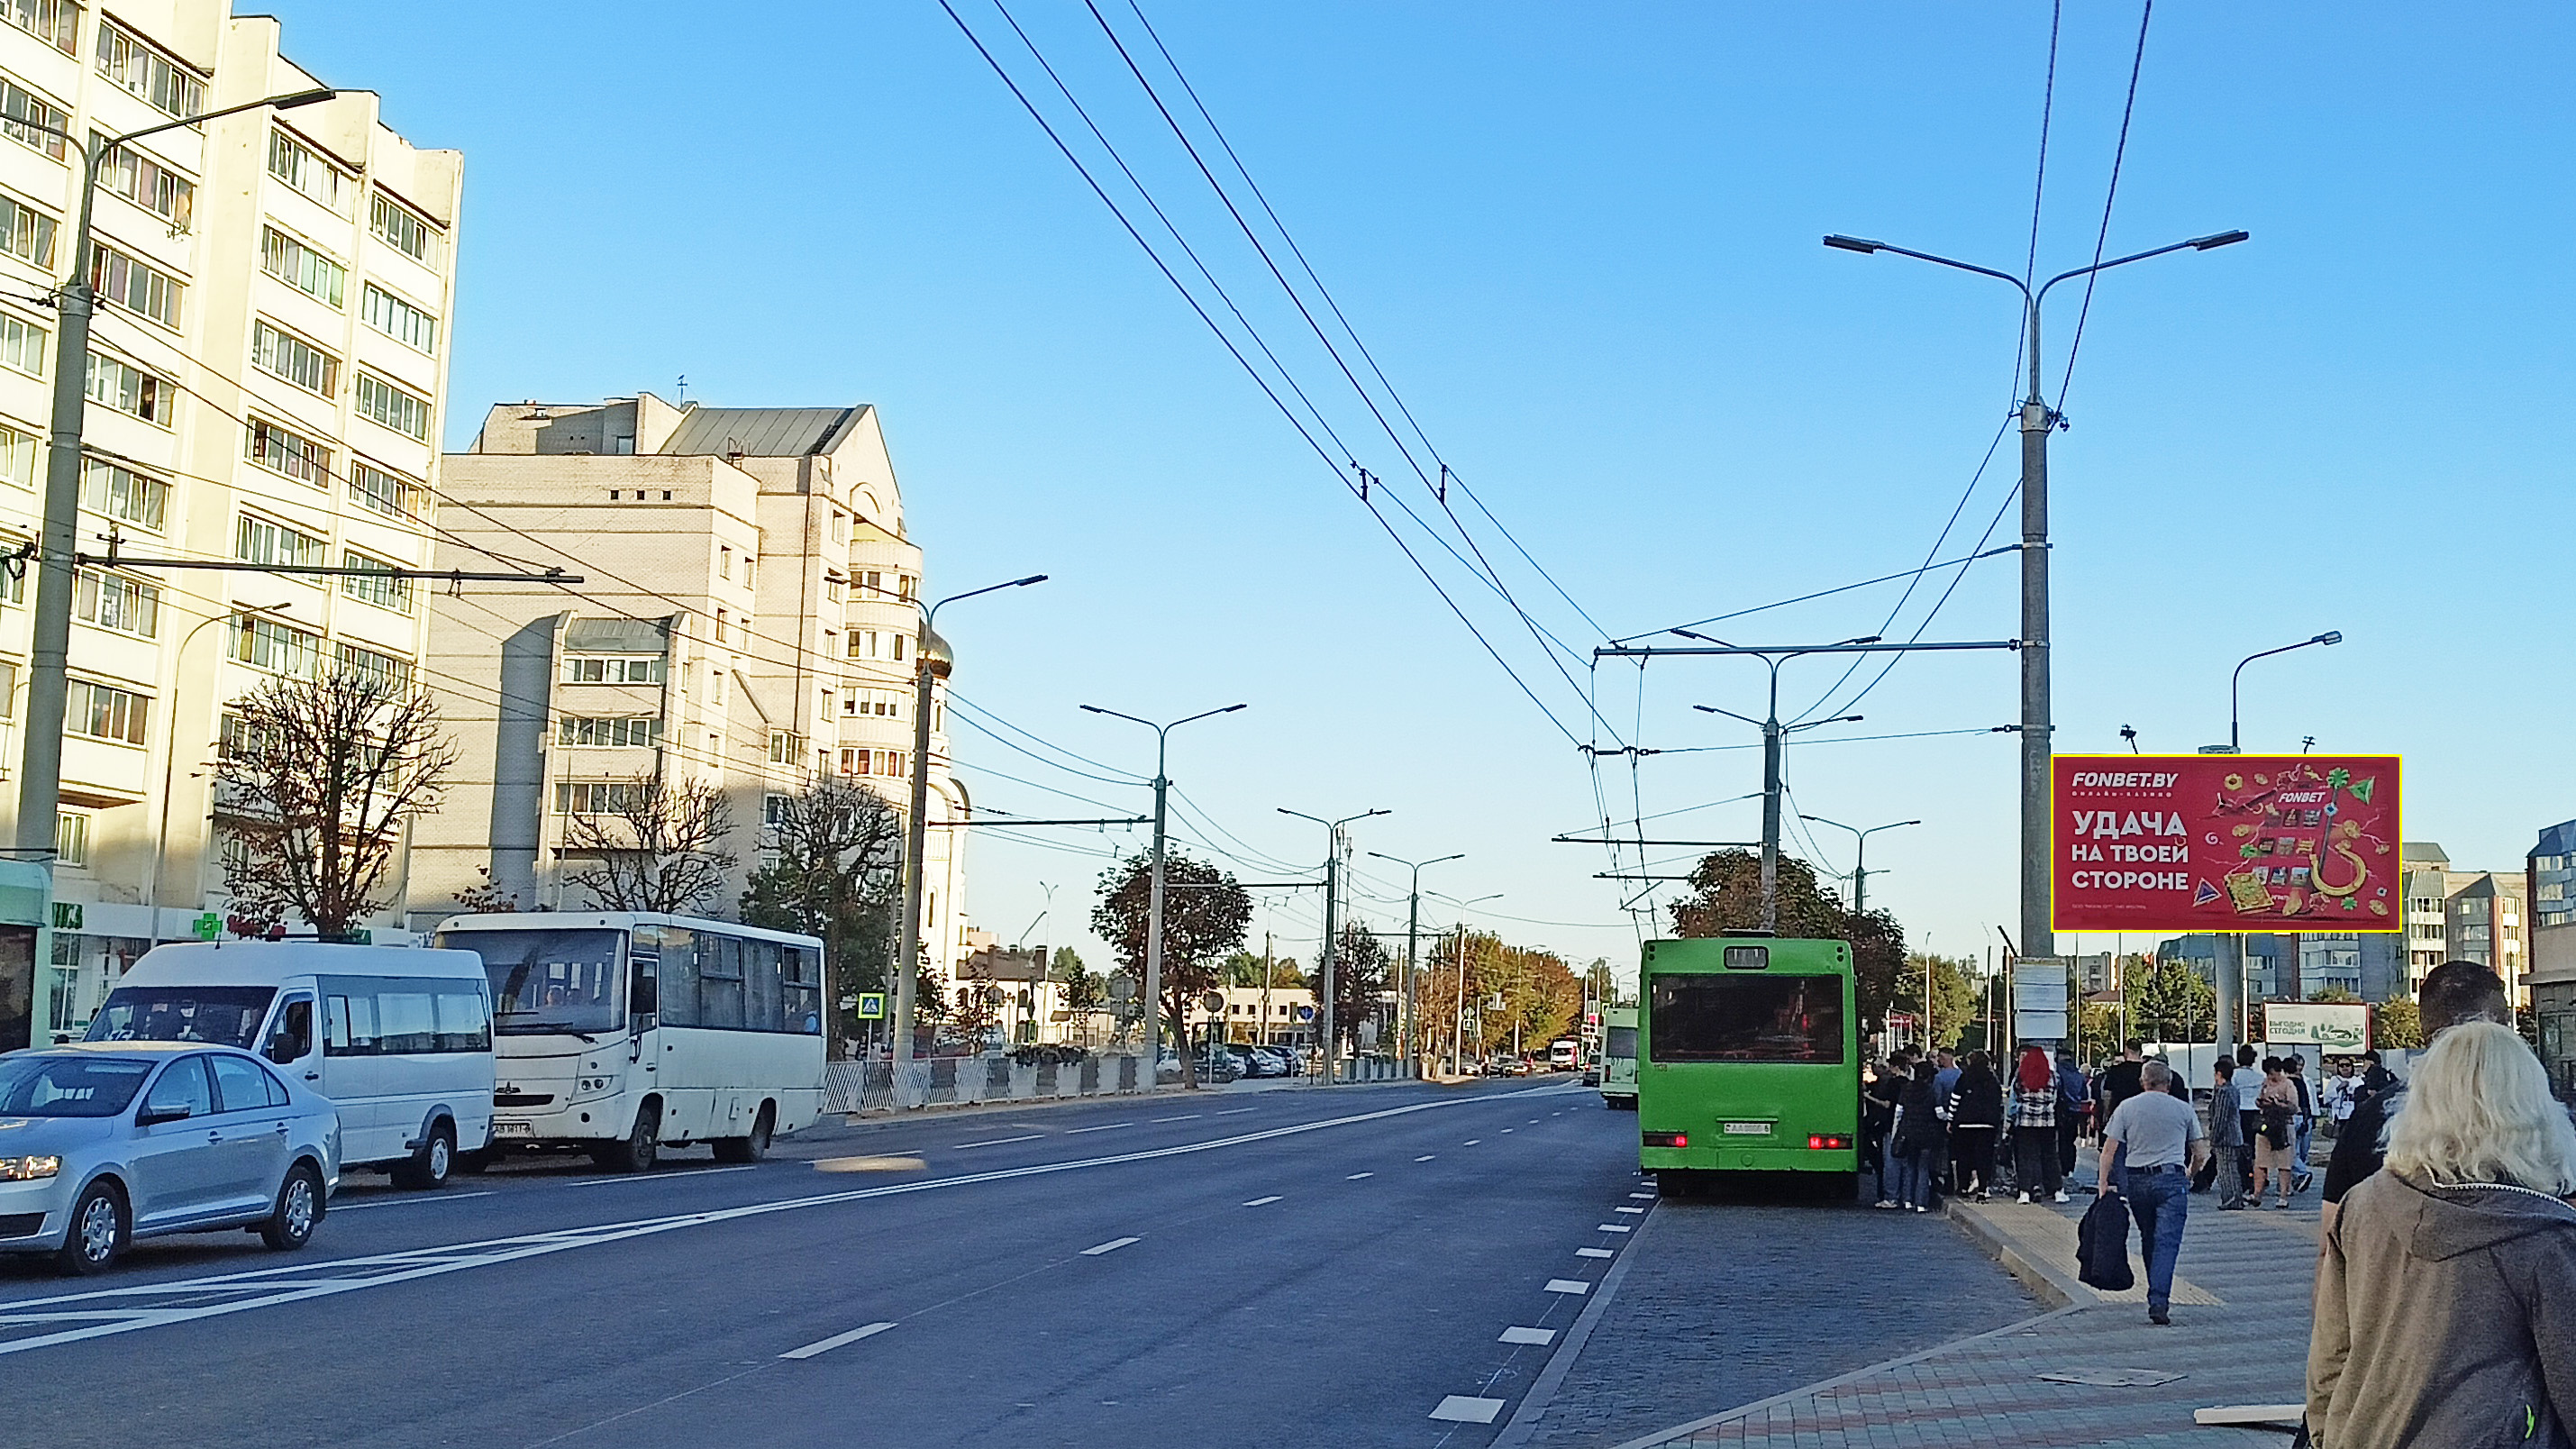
1214, 1001
872, 1006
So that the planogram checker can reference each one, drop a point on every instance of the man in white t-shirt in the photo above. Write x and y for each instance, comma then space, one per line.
2152, 1145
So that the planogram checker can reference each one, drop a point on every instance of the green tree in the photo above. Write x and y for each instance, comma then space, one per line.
836, 873
978, 1005
1954, 997
1204, 913
2397, 1023
2332, 993
1359, 984
1085, 991
2168, 1001
2101, 1032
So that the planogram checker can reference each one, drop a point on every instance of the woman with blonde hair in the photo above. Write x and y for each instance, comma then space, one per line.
2442, 1313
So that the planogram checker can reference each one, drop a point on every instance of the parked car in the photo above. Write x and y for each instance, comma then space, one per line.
102, 1143
1263, 1061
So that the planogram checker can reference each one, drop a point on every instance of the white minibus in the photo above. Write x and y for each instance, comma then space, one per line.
399, 1038
620, 1033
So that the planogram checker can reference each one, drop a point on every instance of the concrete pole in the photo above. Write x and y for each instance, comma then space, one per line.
915, 860
1154, 937
2231, 989
2036, 422
1324, 998
1404, 1009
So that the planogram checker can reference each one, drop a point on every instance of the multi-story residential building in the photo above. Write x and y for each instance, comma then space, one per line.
2467, 915
267, 365
2550, 872
2428, 912
747, 619
2550, 877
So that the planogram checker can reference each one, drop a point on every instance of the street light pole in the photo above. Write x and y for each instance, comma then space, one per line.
1332, 922
1405, 1011
916, 844
1773, 735
2038, 419
1154, 898
1860, 854
2234, 743
40, 773
170, 753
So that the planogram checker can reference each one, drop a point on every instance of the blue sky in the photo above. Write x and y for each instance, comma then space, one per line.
1582, 242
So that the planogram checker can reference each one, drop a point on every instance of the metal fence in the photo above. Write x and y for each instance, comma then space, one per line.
954, 1081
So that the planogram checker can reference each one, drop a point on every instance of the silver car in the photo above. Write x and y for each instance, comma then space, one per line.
105, 1142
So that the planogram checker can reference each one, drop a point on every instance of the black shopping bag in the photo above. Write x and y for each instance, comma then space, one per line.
2102, 1245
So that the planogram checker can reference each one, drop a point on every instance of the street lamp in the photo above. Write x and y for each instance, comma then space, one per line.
1332, 901
1154, 897
1404, 1009
1458, 1016
170, 749
925, 669
40, 775
1773, 733
1860, 854
2234, 744
2037, 418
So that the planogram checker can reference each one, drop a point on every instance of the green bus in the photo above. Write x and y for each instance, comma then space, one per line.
1750, 1060
1619, 1058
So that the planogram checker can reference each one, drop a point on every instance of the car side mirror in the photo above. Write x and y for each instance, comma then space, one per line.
281, 1049
154, 1116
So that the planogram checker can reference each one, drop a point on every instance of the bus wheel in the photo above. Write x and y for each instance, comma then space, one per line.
642, 1145
751, 1148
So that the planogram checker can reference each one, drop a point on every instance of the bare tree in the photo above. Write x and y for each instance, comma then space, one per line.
653, 845
315, 780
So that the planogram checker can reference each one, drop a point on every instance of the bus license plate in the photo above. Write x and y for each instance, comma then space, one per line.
514, 1129
1748, 1129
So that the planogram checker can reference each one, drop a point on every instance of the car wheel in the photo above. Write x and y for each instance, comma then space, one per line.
642, 1145
429, 1166
753, 1147
298, 1212
98, 1231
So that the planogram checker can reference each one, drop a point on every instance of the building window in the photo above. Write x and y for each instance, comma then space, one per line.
834, 589
137, 286
21, 105
894, 763
302, 167
130, 390
724, 561
121, 493
391, 670
149, 184
265, 644
55, 22
396, 227
398, 319
104, 712
25, 232
275, 545
382, 585
290, 453
71, 838
17, 457
300, 266
23, 345
378, 491
612, 669
593, 797
285, 355
139, 68
773, 809
643, 731
786, 748
389, 405
873, 703
113, 601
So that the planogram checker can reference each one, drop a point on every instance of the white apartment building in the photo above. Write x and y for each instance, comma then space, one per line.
2466, 915
267, 369
746, 618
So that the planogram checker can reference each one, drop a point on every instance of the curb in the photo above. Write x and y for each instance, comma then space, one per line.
888, 1116
1524, 1422
2039, 1278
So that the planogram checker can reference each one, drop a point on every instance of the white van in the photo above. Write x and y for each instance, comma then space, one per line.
399, 1038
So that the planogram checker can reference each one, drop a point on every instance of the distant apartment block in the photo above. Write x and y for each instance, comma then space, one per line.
2467, 915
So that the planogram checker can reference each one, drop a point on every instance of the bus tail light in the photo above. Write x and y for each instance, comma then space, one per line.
1825, 1142
1667, 1139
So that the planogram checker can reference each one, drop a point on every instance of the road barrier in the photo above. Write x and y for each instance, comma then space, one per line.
958, 1081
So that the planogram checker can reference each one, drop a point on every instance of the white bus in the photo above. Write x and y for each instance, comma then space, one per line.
621, 1033
400, 1039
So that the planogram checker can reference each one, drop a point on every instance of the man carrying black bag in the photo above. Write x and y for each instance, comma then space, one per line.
2150, 1147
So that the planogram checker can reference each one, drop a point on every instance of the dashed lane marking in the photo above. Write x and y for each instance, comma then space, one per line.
1426, 1157
1627, 1210
1263, 1201
1594, 1253
1234, 1111
653, 1176
1184, 1117
1103, 1127
1568, 1285
1539, 1336
1356, 1176
1472, 1141
826, 1345
1643, 1196
1463, 1409
359, 1207
1511, 1129
1113, 1245
1029, 1137
1617, 1228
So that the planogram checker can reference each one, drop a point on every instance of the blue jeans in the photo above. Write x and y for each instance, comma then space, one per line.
1914, 1173
2160, 1199
2299, 1168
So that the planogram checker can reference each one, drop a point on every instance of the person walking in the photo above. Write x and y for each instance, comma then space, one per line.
2151, 1147
1920, 1141
2453, 994
2227, 1136
2276, 1114
2249, 1085
2034, 1124
1878, 1124
2334, 1099
1976, 1115
2441, 1314
2073, 1100
2304, 1126
2120, 1079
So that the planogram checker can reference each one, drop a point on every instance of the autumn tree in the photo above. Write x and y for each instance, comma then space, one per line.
837, 874
1086, 992
651, 844
315, 781
1204, 915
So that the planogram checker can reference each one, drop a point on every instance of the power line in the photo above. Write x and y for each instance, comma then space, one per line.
2047, 108
2102, 239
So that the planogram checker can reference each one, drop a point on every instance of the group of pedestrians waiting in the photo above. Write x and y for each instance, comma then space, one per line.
1933, 1124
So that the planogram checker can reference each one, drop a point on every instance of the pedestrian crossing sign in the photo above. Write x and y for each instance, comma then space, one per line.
871, 1006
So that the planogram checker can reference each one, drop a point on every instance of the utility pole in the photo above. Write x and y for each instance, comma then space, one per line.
1405, 1009
1332, 926
2038, 420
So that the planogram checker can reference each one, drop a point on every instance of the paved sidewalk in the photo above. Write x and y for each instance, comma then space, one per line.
2240, 1333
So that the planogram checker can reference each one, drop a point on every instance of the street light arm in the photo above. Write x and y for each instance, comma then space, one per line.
2198, 243
1113, 714
1730, 714
284, 103
931, 616
1849, 244
1203, 714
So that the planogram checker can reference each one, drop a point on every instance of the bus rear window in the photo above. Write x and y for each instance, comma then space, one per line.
1623, 1042
1746, 1019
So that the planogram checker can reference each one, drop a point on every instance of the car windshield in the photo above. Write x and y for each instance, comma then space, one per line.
547, 981
1746, 1019
68, 1086
225, 1015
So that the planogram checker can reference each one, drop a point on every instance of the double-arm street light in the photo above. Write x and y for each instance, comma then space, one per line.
1405, 1011
2037, 419
40, 775
1773, 734
1860, 853
2235, 743
1154, 897
1332, 925
928, 666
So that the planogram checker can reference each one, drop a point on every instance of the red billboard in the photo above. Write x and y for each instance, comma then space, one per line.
2224, 843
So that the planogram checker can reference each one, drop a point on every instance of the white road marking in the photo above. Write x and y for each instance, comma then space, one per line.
1616, 1228
359, 1207
1643, 1196
1113, 1245
1184, 1117
129, 1309
1593, 1253
654, 1176
1234, 1111
1472, 1141
1627, 1210
1511, 1129
1029, 1137
1533, 1121
1356, 1176
1568, 1285
1426, 1157
1263, 1201
1103, 1127
1462, 1409
826, 1345
1540, 1336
